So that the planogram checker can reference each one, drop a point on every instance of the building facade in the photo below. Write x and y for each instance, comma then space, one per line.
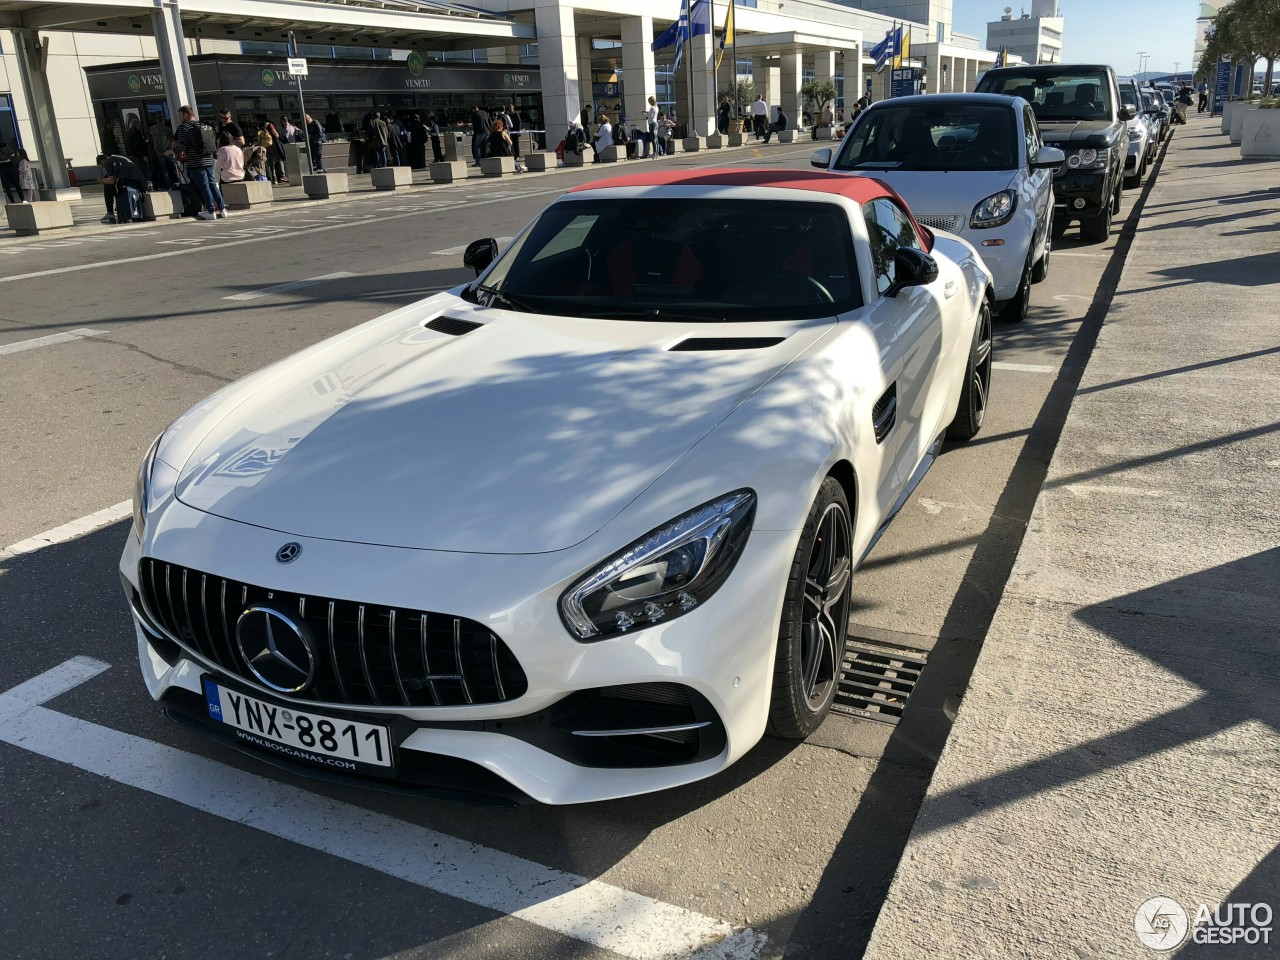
1035, 37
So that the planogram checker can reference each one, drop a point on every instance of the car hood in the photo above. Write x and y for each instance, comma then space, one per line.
524, 435
931, 193
1080, 133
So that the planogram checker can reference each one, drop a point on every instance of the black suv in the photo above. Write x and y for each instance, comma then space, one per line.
1079, 111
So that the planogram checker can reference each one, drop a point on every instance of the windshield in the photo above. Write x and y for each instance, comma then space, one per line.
679, 259
937, 136
1055, 97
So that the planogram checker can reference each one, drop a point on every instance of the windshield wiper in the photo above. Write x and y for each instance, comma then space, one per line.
506, 298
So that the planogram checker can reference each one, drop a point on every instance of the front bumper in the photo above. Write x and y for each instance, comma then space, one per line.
722, 654
1090, 187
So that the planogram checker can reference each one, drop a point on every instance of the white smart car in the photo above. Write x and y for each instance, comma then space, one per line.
971, 164
582, 528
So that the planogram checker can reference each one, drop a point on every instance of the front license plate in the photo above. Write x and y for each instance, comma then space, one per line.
331, 741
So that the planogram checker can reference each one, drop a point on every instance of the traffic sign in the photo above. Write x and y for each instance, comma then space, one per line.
297, 66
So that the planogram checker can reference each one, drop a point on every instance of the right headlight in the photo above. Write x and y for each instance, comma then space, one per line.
995, 210
663, 575
142, 489
1086, 159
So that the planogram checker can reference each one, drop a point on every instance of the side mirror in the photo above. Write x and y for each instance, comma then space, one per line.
1048, 158
821, 158
913, 268
480, 253
1128, 113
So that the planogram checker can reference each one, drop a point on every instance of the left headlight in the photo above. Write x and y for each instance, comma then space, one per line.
1135, 135
994, 211
664, 574
142, 489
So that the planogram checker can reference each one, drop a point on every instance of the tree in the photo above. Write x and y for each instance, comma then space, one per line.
1264, 20
820, 93
741, 94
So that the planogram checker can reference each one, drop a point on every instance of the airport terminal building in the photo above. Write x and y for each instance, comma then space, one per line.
66, 66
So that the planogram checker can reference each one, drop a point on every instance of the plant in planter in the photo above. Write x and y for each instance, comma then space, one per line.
820, 93
740, 95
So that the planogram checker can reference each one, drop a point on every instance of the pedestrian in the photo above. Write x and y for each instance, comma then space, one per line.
195, 143
9, 174
111, 139
498, 143
759, 116
514, 123
226, 123
665, 131
417, 148
480, 124
862, 104
722, 116
276, 155
288, 131
585, 119
651, 125
575, 139
433, 131
315, 143
136, 148
777, 126
256, 163
1184, 101
229, 165
1204, 98
264, 140
163, 173
119, 175
604, 135
26, 178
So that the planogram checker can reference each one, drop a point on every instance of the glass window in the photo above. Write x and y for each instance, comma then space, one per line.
944, 135
1032, 135
1055, 94
889, 230
700, 259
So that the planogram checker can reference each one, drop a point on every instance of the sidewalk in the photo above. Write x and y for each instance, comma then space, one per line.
1120, 738
87, 213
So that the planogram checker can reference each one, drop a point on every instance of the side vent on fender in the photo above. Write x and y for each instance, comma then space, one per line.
697, 344
453, 326
885, 413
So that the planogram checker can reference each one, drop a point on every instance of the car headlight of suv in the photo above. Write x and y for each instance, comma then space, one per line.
994, 211
1087, 159
1135, 135
663, 575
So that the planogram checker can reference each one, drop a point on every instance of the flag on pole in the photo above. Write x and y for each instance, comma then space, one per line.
682, 32
883, 50
1001, 57
902, 46
726, 35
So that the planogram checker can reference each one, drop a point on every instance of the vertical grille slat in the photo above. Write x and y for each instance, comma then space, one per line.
457, 657
472, 665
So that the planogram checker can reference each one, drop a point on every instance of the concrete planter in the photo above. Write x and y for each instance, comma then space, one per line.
786, 136
321, 186
389, 178
614, 154
693, 144
448, 171
736, 139
246, 194
156, 205
715, 142
540, 160
824, 133
674, 146
1237, 120
29, 219
1260, 135
1228, 109
574, 159
497, 166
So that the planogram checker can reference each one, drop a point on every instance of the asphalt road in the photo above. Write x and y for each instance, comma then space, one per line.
126, 836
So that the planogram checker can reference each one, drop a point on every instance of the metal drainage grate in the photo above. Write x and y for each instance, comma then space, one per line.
875, 680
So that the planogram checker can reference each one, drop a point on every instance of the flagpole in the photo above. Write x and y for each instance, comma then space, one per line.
733, 75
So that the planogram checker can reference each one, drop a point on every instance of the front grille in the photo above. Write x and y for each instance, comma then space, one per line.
366, 655
453, 326
953, 224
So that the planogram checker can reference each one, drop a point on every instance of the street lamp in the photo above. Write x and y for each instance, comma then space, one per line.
1176, 64
1141, 54
945, 70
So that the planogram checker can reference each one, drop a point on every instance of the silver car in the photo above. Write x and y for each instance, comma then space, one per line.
971, 164
1140, 135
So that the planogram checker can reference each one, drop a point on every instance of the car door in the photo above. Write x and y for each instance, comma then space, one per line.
911, 325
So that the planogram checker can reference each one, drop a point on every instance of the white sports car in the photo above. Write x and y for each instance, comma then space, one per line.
583, 528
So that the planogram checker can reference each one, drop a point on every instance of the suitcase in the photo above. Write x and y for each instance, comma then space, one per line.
128, 205
191, 202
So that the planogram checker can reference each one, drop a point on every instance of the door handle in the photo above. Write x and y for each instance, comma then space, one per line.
950, 289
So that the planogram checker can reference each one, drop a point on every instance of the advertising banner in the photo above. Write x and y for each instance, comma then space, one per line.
1221, 86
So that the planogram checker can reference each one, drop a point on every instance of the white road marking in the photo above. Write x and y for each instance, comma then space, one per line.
591, 911
69, 531
1021, 367
286, 287
77, 334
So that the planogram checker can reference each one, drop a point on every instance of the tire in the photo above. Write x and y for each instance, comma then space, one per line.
1115, 203
972, 408
815, 617
1040, 271
1097, 229
1016, 310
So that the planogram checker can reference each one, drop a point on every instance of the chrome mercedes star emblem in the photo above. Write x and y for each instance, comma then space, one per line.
289, 552
277, 650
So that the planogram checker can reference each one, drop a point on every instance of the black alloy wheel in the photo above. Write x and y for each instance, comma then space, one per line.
1098, 228
815, 617
1040, 272
1016, 310
976, 391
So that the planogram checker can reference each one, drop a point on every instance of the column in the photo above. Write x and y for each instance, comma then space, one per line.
701, 52
789, 79
852, 79
760, 77
638, 83
558, 66
824, 65
586, 88
32, 55
179, 90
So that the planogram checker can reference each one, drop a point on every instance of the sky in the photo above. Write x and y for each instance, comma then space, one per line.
1105, 31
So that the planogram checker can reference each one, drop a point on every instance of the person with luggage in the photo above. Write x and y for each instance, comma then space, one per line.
195, 143
136, 148
123, 184
1182, 101
164, 174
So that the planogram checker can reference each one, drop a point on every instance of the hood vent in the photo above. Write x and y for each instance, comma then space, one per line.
453, 326
696, 344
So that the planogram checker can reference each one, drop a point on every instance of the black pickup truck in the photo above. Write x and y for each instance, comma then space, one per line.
1079, 111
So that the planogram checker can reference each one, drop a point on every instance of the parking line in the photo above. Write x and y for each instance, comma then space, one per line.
591, 911
286, 287
77, 334
69, 531
1021, 367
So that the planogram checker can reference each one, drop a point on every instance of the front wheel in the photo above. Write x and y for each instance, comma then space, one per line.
1040, 272
1016, 310
815, 617
975, 392
1097, 229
